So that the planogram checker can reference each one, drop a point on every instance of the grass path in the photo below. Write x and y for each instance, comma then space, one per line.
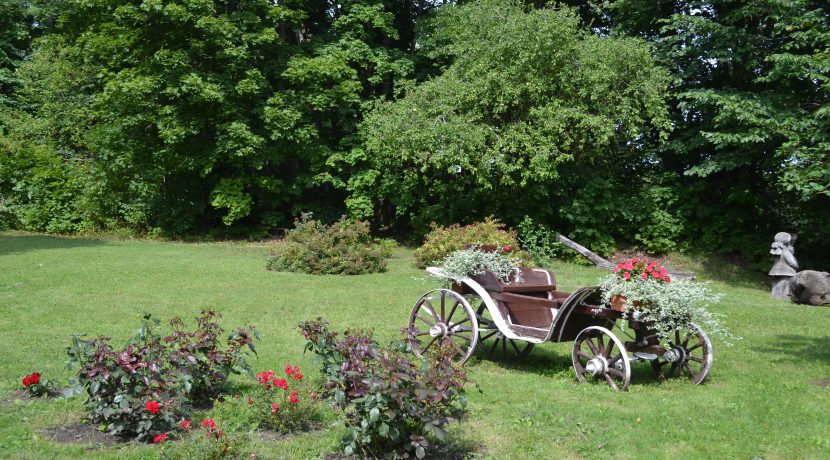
764, 399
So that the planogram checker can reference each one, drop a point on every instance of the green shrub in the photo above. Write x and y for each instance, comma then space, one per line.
390, 401
541, 242
143, 390
344, 248
441, 241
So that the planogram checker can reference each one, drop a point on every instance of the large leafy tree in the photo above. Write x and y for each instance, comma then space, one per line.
751, 146
529, 109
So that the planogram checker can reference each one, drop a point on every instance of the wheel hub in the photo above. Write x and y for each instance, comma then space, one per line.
675, 355
596, 366
439, 330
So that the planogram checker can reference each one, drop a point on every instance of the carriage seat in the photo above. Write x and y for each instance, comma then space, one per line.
535, 280
532, 303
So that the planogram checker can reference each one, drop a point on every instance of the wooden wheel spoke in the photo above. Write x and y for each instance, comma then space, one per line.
696, 359
455, 334
495, 344
584, 355
615, 359
428, 305
686, 340
429, 344
610, 381
672, 368
694, 347
420, 334
609, 348
691, 373
616, 373
600, 345
591, 346
424, 320
676, 337
452, 312
488, 335
515, 347
443, 302
450, 326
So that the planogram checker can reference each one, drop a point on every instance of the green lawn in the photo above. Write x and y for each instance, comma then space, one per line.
764, 398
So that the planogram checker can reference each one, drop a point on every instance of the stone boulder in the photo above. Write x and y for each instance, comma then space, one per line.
810, 287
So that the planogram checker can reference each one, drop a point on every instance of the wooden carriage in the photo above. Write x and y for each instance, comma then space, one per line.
503, 319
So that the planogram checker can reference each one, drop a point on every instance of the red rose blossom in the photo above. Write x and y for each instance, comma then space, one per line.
298, 376
153, 407
35, 377
506, 248
160, 438
208, 423
186, 425
281, 383
275, 408
293, 399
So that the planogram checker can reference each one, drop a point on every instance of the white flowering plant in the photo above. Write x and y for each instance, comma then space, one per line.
475, 260
651, 296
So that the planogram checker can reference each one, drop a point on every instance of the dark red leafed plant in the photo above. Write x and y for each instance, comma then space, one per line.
391, 401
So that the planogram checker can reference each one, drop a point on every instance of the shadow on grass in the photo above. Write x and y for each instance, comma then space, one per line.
806, 349
11, 243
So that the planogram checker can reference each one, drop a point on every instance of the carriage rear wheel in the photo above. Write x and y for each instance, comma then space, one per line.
495, 344
443, 317
598, 353
688, 354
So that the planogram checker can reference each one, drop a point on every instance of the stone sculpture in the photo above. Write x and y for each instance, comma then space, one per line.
785, 266
810, 287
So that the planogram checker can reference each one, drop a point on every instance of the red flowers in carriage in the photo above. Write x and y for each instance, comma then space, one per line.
643, 269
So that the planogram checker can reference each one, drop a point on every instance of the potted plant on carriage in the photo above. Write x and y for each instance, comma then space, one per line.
476, 260
660, 310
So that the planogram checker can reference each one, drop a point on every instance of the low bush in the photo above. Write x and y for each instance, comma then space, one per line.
390, 401
343, 248
541, 242
37, 386
204, 440
442, 241
144, 389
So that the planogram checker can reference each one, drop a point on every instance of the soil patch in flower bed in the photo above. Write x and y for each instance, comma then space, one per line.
23, 396
79, 433
821, 382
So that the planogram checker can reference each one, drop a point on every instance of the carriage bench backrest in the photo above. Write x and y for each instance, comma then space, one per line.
532, 303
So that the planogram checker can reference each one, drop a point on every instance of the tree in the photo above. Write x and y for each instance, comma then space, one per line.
527, 96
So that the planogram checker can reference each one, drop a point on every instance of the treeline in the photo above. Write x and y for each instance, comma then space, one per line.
668, 125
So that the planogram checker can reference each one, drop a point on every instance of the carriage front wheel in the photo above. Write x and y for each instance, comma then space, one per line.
444, 317
598, 353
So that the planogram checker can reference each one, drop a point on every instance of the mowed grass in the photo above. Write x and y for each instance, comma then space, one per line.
767, 396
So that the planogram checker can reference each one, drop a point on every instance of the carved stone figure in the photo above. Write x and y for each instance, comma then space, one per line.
810, 287
785, 266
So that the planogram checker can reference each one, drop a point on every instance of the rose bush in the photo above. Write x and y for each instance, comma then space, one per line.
390, 401
145, 388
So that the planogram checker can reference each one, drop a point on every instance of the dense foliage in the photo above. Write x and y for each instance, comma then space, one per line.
442, 241
343, 248
665, 125
144, 389
391, 401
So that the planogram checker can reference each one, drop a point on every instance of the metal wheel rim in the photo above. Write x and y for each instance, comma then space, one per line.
454, 318
611, 353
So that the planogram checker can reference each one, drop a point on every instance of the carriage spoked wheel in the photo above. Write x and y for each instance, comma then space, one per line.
688, 354
495, 344
598, 353
442, 316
